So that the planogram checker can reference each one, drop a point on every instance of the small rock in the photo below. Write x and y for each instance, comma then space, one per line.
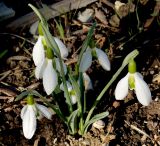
99, 124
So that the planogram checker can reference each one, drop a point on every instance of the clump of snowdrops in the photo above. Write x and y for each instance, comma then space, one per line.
49, 54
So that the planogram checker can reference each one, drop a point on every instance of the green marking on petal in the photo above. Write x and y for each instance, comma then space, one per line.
131, 82
30, 100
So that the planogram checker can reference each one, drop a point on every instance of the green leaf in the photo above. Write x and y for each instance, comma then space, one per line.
60, 29
3, 53
72, 122
22, 95
86, 42
76, 88
94, 119
26, 93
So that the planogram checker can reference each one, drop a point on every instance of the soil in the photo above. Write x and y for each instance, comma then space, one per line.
128, 124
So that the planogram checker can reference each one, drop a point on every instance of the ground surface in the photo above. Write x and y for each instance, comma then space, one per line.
128, 124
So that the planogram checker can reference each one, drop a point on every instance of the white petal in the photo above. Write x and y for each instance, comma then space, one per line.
29, 122
40, 69
86, 61
121, 90
73, 99
58, 66
44, 111
23, 111
142, 90
68, 86
38, 51
103, 59
63, 49
50, 80
87, 82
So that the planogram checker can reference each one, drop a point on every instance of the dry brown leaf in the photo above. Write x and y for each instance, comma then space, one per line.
86, 15
101, 17
156, 79
114, 21
122, 9
143, 2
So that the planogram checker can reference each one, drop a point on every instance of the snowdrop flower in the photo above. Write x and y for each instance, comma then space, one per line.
50, 79
48, 74
38, 51
103, 59
86, 60
29, 115
71, 92
133, 80
87, 82
63, 49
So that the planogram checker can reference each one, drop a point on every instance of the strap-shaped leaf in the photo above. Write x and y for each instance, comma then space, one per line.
94, 119
86, 42
72, 122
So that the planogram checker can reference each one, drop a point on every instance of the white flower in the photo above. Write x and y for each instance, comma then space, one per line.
71, 92
50, 79
46, 72
86, 60
38, 52
141, 88
87, 82
103, 59
29, 114
62, 48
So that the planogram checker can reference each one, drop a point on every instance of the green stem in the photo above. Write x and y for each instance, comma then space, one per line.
52, 44
130, 56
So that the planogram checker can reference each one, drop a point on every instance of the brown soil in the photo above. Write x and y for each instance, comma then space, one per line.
128, 124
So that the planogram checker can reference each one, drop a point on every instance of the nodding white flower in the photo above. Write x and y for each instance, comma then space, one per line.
86, 60
50, 79
136, 82
103, 59
71, 92
46, 72
29, 114
38, 51
63, 49
87, 82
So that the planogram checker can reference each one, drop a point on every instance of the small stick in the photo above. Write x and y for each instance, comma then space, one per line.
138, 130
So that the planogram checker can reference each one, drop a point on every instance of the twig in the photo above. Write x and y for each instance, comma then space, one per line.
20, 37
138, 130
